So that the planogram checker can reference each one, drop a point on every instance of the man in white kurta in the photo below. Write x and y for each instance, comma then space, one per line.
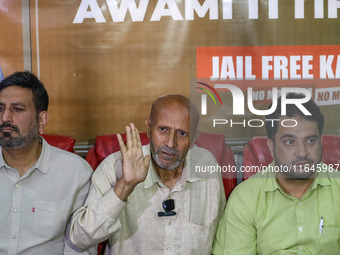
128, 215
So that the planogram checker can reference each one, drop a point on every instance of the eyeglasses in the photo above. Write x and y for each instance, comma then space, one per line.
168, 206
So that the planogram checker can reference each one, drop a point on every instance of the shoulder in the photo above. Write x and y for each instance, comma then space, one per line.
67, 162
110, 168
202, 165
68, 156
256, 181
331, 172
253, 189
198, 154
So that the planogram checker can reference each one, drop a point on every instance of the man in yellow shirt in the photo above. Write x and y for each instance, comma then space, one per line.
294, 209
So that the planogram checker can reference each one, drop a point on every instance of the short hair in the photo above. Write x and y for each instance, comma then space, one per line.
291, 111
28, 80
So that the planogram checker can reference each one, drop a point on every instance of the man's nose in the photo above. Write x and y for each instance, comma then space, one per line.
301, 150
172, 140
6, 116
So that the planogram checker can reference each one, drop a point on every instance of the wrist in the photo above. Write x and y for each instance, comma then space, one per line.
123, 189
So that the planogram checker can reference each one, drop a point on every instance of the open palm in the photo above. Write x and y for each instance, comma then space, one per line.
135, 165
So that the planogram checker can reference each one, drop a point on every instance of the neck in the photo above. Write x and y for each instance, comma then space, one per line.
294, 187
169, 177
24, 158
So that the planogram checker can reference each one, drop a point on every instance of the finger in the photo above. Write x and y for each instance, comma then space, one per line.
134, 135
121, 143
139, 142
129, 142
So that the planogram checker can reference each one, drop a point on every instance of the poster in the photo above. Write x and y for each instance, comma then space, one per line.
255, 74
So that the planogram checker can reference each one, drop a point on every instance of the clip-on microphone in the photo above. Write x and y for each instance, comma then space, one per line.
168, 206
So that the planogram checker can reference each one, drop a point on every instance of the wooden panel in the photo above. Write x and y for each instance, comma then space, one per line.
11, 46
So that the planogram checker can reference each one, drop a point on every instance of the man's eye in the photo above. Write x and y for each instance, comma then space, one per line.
311, 141
17, 109
182, 134
289, 142
163, 129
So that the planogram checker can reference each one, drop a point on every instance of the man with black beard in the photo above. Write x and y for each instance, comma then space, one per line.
40, 185
154, 204
294, 209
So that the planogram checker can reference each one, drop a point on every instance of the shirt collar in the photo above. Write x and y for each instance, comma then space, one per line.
271, 184
2, 161
42, 163
320, 179
152, 176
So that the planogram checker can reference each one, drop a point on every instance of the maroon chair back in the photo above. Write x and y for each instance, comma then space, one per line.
60, 141
331, 149
106, 145
215, 143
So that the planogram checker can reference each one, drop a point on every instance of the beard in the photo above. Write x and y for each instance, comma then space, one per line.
166, 165
300, 172
7, 141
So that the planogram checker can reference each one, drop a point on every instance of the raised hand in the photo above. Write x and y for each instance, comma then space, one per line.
135, 165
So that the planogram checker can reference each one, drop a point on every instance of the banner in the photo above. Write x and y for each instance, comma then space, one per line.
252, 73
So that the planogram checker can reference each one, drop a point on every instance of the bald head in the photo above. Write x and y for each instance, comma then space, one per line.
172, 101
172, 130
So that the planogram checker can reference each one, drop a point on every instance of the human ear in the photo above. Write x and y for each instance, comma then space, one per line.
271, 144
43, 119
148, 127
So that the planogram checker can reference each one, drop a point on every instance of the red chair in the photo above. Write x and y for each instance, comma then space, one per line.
256, 152
215, 143
63, 142
106, 145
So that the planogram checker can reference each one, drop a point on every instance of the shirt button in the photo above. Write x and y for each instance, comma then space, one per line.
14, 236
300, 229
169, 248
299, 203
169, 223
15, 210
17, 185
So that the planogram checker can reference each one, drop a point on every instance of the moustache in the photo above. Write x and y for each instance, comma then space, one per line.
168, 150
304, 160
7, 125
